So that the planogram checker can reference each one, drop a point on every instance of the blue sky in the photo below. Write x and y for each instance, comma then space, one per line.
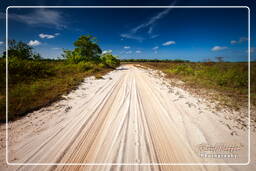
192, 34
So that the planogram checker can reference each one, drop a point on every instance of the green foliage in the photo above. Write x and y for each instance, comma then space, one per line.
85, 66
86, 50
109, 60
183, 69
35, 83
21, 50
232, 75
229, 79
20, 70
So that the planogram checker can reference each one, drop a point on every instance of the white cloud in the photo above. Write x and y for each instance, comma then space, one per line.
56, 48
34, 43
155, 51
218, 48
42, 17
47, 36
233, 42
155, 48
241, 40
107, 51
1, 43
127, 47
132, 36
168, 43
129, 52
137, 51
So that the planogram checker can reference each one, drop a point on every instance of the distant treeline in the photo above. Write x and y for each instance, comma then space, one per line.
154, 60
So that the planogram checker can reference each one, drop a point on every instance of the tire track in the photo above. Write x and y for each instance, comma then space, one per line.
127, 120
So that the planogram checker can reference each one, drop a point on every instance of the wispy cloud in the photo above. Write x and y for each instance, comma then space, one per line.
154, 36
129, 52
34, 43
241, 40
149, 25
150, 30
107, 51
56, 48
132, 36
151, 21
42, 17
137, 51
233, 42
1, 42
127, 47
218, 48
48, 36
168, 43
155, 48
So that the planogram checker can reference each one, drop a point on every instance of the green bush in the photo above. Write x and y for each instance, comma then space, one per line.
21, 50
110, 61
85, 66
19, 70
232, 75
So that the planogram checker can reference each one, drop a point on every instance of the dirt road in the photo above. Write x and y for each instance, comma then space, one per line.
131, 116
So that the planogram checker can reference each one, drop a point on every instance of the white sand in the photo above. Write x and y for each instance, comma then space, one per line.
133, 115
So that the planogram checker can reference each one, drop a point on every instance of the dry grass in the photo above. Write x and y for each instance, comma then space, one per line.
28, 90
226, 83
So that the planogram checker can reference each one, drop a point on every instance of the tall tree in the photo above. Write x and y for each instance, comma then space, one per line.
88, 48
20, 50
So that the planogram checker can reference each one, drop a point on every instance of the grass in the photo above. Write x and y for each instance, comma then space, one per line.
228, 80
33, 84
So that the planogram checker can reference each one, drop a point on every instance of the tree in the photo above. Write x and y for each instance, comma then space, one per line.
37, 56
86, 50
20, 50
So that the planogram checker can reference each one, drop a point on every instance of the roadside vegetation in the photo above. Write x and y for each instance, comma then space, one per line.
226, 82
34, 82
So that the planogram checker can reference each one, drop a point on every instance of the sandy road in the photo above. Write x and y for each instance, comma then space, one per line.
129, 117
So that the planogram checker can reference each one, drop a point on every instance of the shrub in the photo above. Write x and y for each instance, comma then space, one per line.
19, 70
85, 66
110, 61
21, 50
183, 69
